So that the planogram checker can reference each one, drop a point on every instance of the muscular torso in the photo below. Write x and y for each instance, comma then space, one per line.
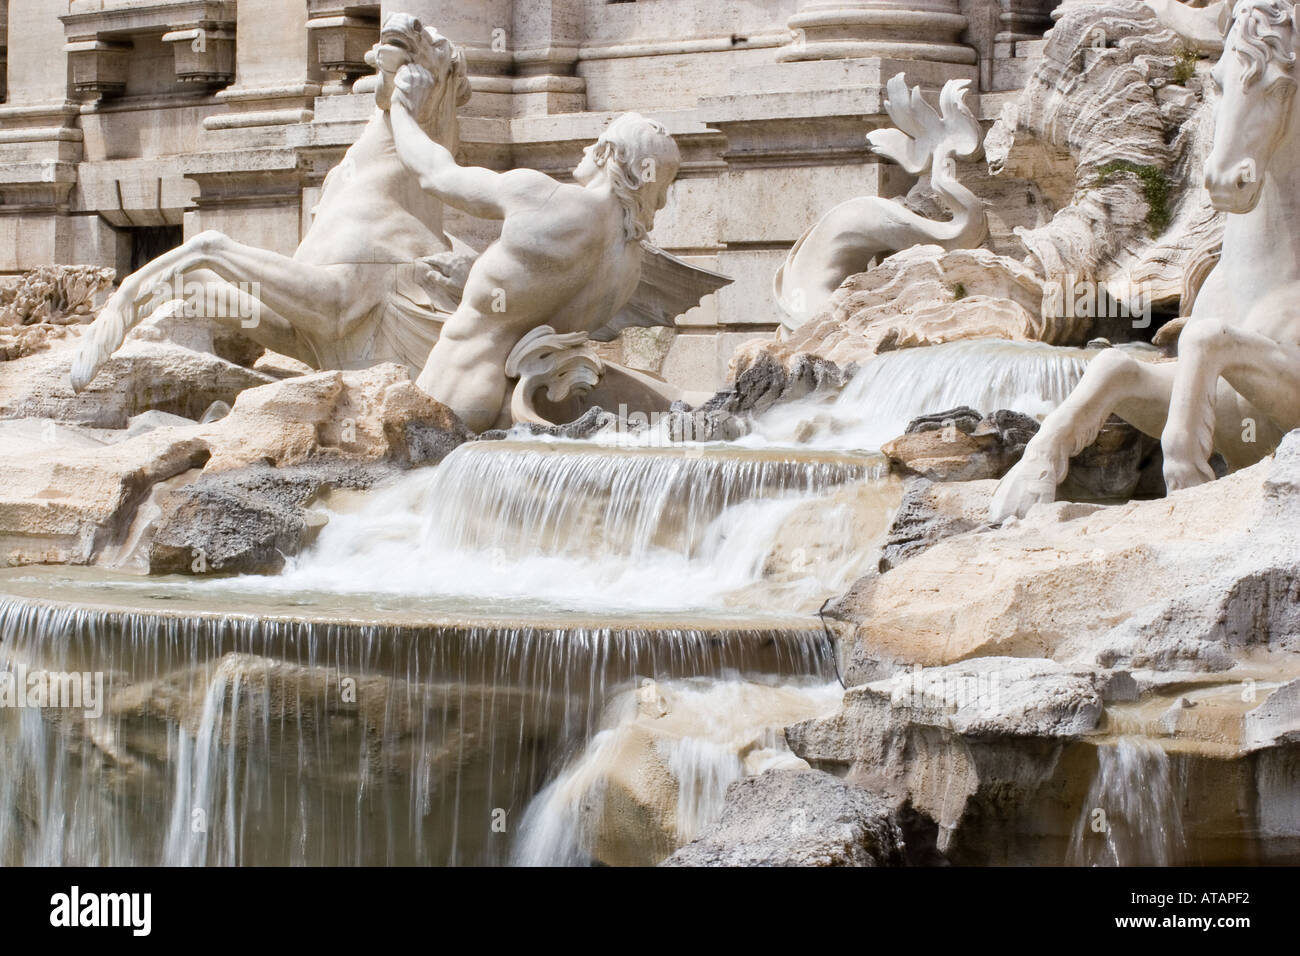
564, 263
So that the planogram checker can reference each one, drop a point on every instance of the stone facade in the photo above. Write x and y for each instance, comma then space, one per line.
128, 125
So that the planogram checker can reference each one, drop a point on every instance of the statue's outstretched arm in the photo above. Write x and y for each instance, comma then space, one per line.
480, 192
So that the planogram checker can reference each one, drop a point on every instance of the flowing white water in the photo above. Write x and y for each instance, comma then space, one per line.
703, 736
449, 643
1132, 815
893, 388
580, 526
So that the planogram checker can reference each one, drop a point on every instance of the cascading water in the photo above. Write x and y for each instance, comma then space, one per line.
706, 735
575, 525
1131, 816
245, 739
453, 671
893, 388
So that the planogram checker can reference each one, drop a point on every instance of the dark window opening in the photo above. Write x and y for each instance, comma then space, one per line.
149, 242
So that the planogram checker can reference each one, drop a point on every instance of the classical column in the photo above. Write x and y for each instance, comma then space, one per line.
1025, 19
839, 29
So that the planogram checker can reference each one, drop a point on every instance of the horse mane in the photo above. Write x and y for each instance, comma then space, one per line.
1258, 41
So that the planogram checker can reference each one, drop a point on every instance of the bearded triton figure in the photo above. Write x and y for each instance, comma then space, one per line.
376, 279
569, 258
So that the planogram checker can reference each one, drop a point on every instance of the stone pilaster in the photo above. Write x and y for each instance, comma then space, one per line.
522, 54
40, 144
544, 47
276, 82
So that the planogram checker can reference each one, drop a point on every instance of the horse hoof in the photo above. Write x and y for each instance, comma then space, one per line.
83, 370
1018, 491
84, 367
1180, 475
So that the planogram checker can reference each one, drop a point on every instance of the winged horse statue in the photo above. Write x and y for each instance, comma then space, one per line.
1235, 385
376, 278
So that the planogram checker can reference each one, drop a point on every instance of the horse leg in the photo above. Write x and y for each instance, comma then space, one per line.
1261, 370
308, 297
1114, 383
238, 310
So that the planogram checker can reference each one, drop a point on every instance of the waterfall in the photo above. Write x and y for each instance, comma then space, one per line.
583, 526
234, 738
706, 735
893, 388
1132, 815
466, 663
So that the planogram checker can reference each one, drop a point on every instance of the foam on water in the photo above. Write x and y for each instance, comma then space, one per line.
581, 526
893, 388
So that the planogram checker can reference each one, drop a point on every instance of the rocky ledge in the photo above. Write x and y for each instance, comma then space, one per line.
1012, 685
94, 479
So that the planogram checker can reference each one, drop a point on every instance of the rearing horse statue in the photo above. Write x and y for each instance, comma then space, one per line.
1235, 386
375, 276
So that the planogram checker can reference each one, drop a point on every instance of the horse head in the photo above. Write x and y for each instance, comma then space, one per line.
1256, 79
403, 39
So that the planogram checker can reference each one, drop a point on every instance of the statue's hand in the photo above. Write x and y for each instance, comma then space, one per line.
411, 87
452, 268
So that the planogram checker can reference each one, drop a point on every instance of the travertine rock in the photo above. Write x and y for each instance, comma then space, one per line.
762, 379
1009, 757
1071, 579
931, 511
798, 818
368, 415
141, 376
658, 771
67, 495
961, 445
76, 490
972, 746
247, 520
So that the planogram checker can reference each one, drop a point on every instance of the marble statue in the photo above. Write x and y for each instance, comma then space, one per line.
375, 275
855, 233
376, 279
1235, 386
569, 258
1199, 27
